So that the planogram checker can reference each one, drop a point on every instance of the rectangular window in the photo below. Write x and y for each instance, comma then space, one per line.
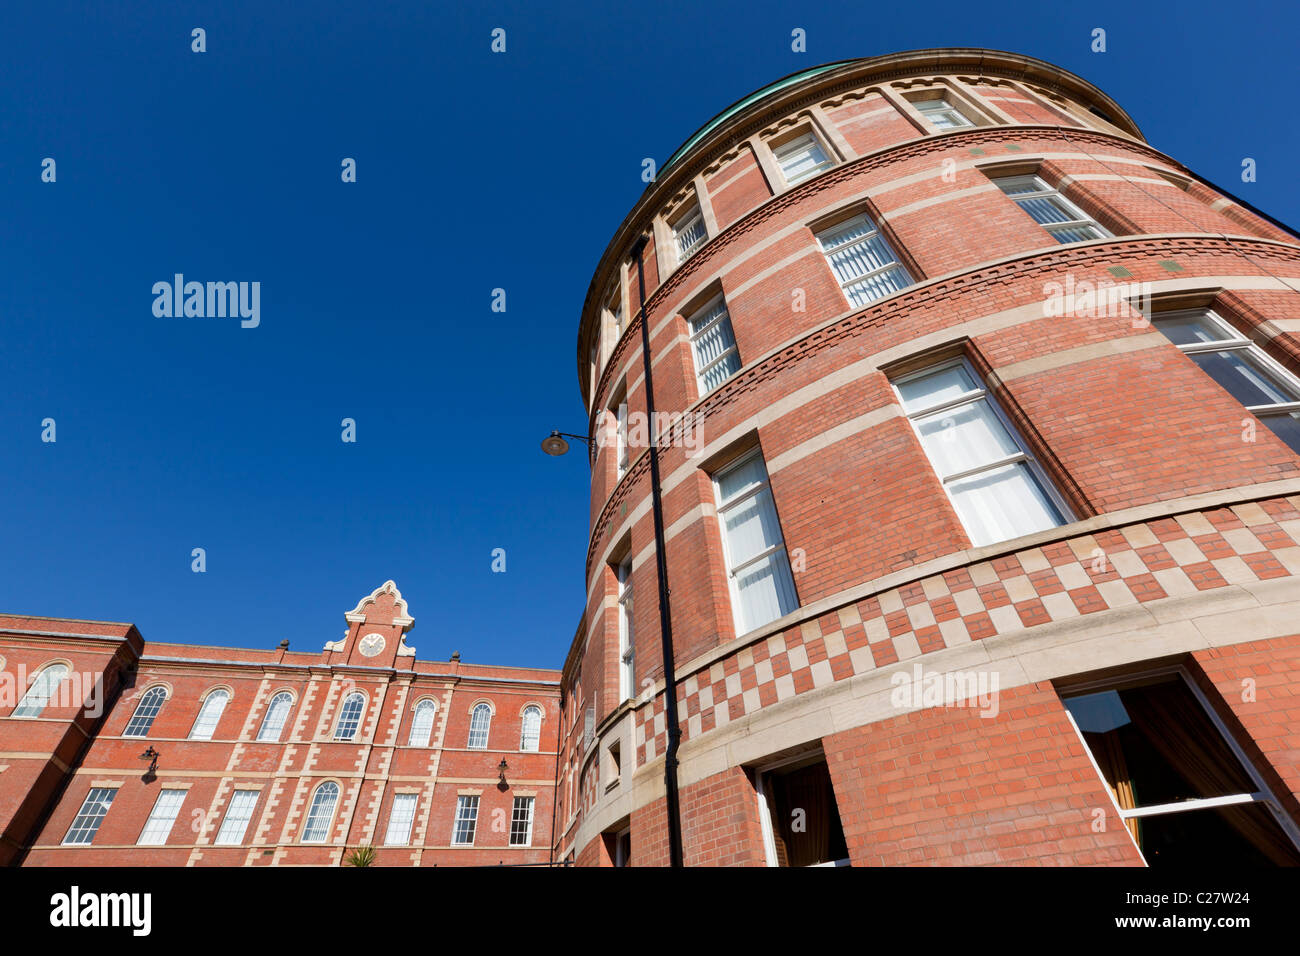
237, 818
864, 264
997, 488
623, 848
466, 820
86, 824
814, 837
159, 825
1047, 207
758, 570
400, 818
1243, 369
689, 233
1184, 789
620, 438
801, 158
942, 114
521, 822
714, 345
626, 644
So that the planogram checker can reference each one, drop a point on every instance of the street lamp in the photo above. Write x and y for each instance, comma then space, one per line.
555, 444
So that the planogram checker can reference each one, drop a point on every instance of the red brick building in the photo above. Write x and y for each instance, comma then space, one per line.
980, 487
268, 758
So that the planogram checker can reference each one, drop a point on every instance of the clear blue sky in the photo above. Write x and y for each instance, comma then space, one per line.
475, 171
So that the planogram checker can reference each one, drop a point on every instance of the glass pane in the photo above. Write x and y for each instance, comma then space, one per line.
1287, 428
855, 229
1075, 234
1189, 329
935, 388
1003, 503
1017, 186
750, 527
720, 372
714, 341
766, 591
741, 478
959, 439
1244, 377
1045, 209
878, 286
857, 259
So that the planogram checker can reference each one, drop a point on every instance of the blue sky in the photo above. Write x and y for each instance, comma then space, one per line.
475, 171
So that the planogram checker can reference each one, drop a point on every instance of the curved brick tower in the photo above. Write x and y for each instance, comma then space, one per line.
980, 487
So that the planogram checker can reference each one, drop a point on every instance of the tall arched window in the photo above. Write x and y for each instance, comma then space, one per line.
350, 716
209, 714
276, 715
321, 814
422, 724
479, 725
145, 712
43, 687
531, 736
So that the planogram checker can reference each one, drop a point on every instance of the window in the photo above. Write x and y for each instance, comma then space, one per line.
41, 691
800, 158
995, 485
145, 712
276, 715
521, 822
623, 847
689, 233
714, 345
800, 820
86, 824
159, 825
350, 717
1047, 207
422, 724
1242, 368
238, 814
466, 820
209, 714
942, 114
321, 814
620, 437
480, 722
1186, 792
626, 643
865, 266
757, 568
400, 819
530, 737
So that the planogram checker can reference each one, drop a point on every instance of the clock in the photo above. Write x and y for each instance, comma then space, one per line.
371, 644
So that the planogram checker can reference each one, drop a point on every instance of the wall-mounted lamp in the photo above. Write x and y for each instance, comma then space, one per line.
152, 756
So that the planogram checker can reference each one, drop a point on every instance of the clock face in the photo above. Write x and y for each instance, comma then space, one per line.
372, 644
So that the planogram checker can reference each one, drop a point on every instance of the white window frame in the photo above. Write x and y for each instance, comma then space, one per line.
465, 822
162, 818
949, 109
344, 719
421, 726
401, 821
272, 732
621, 857
85, 825
875, 232
626, 632
765, 814
788, 146
711, 321
526, 819
239, 813
210, 714
732, 569
1262, 793
482, 733
682, 226
41, 691
1234, 341
1053, 195
530, 734
318, 824
1023, 454
622, 457
146, 712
